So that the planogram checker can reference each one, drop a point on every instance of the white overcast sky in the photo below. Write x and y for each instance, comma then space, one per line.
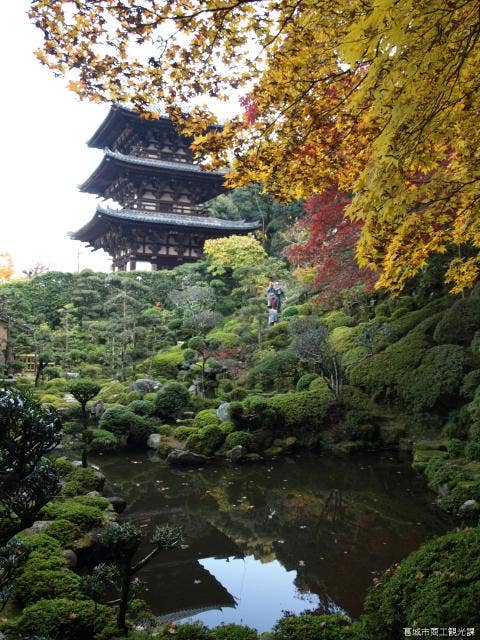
45, 129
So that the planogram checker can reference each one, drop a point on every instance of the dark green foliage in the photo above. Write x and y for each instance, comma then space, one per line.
59, 619
12, 555
206, 417
436, 586
335, 319
126, 425
236, 438
380, 373
86, 512
276, 370
302, 410
103, 440
38, 581
255, 412
141, 407
233, 632
28, 480
459, 322
83, 390
455, 447
188, 631
304, 381
206, 440
182, 433
171, 401
87, 479
292, 310
470, 384
437, 378
311, 627
64, 531
472, 451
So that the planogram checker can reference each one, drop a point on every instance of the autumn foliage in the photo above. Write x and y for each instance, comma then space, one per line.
367, 95
328, 246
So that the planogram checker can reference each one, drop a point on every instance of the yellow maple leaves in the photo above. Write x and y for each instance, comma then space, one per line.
381, 98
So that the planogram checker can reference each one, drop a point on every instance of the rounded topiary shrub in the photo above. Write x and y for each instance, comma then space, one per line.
182, 433
459, 322
303, 383
455, 447
472, 451
103, 440
60, 619
436, 586
64, 531
206, 417
233, 632
188, 631
311, 627
171, 401
292, 310
238, 438
117, 419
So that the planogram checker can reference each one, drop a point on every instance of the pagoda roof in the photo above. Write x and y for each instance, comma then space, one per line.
100, 178
103, 215
117, 118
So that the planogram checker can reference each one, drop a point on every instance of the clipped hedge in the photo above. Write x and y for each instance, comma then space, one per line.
436, 586
206, 417
459, 322
302, 410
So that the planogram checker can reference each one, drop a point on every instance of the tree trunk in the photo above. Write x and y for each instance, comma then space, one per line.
123, 607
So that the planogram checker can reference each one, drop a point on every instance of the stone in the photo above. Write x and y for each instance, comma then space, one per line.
154, 440
119, 504
236, 453
181, 457
40, 526
71, 558
470, 505
285, 443
97, 408
145, 385
253, 457
67, 397
71, 375
222, 412
444, 490
94, 494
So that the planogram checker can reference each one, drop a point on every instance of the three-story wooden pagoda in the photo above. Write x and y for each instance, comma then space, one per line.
148, 169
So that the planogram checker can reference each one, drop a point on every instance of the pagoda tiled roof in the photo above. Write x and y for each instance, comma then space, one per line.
163, 219
100, 177
162, 164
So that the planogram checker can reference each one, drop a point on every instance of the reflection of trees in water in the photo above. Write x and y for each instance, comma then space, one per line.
332, 521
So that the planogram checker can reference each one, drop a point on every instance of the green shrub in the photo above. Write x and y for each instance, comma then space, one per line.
304, 381
459, 322
438, 376
470, 384
171, 401
36, 582
335, 319
85, 514
141, 407
237, 438
113, 393
276, 370
436, 586
345, 338
380, 373
103, 440
472, 451
206, 417
455, 447
311, 627
86, 479
227, 427
56, 385
302, 410
133, 396
60, 619
238, 393
353, 357
64, 531
126, 425
226, 338
188, 631
43, 545
167, 363
206, 440
233, 632
63, 466
182, 433
292, 310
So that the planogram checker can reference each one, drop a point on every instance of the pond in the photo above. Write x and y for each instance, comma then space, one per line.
306, 532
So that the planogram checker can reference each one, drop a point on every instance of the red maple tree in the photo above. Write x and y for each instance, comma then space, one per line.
330, 246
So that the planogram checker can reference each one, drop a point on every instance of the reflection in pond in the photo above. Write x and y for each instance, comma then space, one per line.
308, 532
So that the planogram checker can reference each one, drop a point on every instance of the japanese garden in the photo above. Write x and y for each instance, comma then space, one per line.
263, 421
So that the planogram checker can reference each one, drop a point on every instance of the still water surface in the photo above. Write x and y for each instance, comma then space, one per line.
307, 532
